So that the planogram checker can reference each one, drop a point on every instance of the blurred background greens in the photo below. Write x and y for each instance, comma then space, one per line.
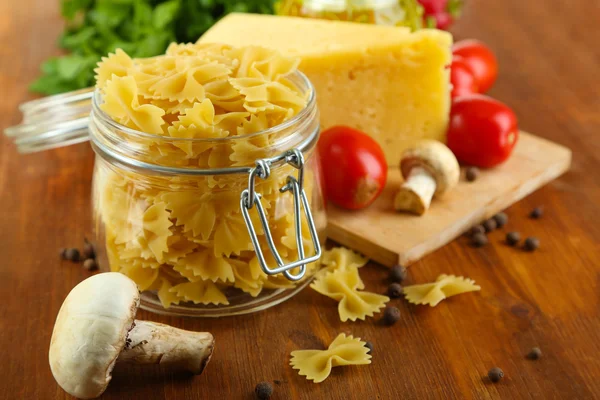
144, 28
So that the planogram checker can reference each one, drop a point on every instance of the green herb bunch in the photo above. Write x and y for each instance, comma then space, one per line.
142, 28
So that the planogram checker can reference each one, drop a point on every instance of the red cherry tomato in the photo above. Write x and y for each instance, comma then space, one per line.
354, 167
462, 78
482, 61
482, 131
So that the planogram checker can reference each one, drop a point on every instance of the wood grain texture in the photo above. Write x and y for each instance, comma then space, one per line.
389, 237
549, 57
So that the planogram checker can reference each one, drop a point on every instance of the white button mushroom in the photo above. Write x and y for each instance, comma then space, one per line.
429, 168
95, 329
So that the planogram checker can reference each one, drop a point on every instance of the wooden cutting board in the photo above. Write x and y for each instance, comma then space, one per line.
389, 237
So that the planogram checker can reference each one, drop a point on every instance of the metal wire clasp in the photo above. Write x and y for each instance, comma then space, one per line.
250, 198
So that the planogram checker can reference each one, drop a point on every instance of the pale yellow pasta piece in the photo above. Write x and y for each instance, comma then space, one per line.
156, 229
225, 96
179, 246
219, 157
316, 364
248, 149
201, 292
181, 49
165, 296
192, 210
231, 235
342, 258
279, 229
144, 81
262, 63
143, 277
117, 64
197, 122
121, 102
173, 109
208, 51
231, 122
262, 96
204, 265
141, 262
186, 80
245, 279
289, 239
342, 285
443, 287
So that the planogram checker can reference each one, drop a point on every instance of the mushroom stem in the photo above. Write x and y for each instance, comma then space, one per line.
416, 192
153, 343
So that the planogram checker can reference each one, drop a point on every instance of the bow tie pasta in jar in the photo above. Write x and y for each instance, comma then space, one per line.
206, 180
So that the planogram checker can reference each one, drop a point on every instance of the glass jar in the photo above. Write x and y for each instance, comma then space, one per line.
213, 234
379, 12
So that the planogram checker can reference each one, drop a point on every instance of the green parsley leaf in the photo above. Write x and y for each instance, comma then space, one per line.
165, 13
142, 28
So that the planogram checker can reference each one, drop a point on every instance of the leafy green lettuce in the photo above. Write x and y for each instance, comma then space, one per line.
142, 28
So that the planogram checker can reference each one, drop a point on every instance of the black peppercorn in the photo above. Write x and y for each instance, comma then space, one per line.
536, 213
369, 346
391, 315
88, 250
90, 264
512, 238
263, 390
490, 225
534, 354
501, 219
394, 290
476, 229
495, 374
398, 273
471, 174
72, 255
479, 240
531, 244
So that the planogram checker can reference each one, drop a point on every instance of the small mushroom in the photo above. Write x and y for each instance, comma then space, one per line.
95, 329
429, 168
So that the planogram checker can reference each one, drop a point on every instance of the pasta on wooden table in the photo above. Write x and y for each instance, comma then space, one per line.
443, 287
316, 364
342, 257
340, 280
184, 236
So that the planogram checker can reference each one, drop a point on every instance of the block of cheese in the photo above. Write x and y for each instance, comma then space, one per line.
386, 81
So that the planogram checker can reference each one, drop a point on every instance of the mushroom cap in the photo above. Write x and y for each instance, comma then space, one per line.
437, 159
90, 332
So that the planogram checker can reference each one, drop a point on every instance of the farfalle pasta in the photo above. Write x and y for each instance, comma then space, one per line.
344, 286
342, 258
443, 287
340, 280
199, 106
316, 365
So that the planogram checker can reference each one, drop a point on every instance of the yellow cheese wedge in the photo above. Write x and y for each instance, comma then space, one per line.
386, 81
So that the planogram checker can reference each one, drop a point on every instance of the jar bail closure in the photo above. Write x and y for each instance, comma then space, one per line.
249, 198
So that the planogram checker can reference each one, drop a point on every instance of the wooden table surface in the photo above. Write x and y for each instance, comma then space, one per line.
549, 57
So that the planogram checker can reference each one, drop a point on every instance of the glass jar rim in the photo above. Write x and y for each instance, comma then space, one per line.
100, 118
106, 119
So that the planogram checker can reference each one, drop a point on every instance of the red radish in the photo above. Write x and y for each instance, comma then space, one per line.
443, 20
431, 7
